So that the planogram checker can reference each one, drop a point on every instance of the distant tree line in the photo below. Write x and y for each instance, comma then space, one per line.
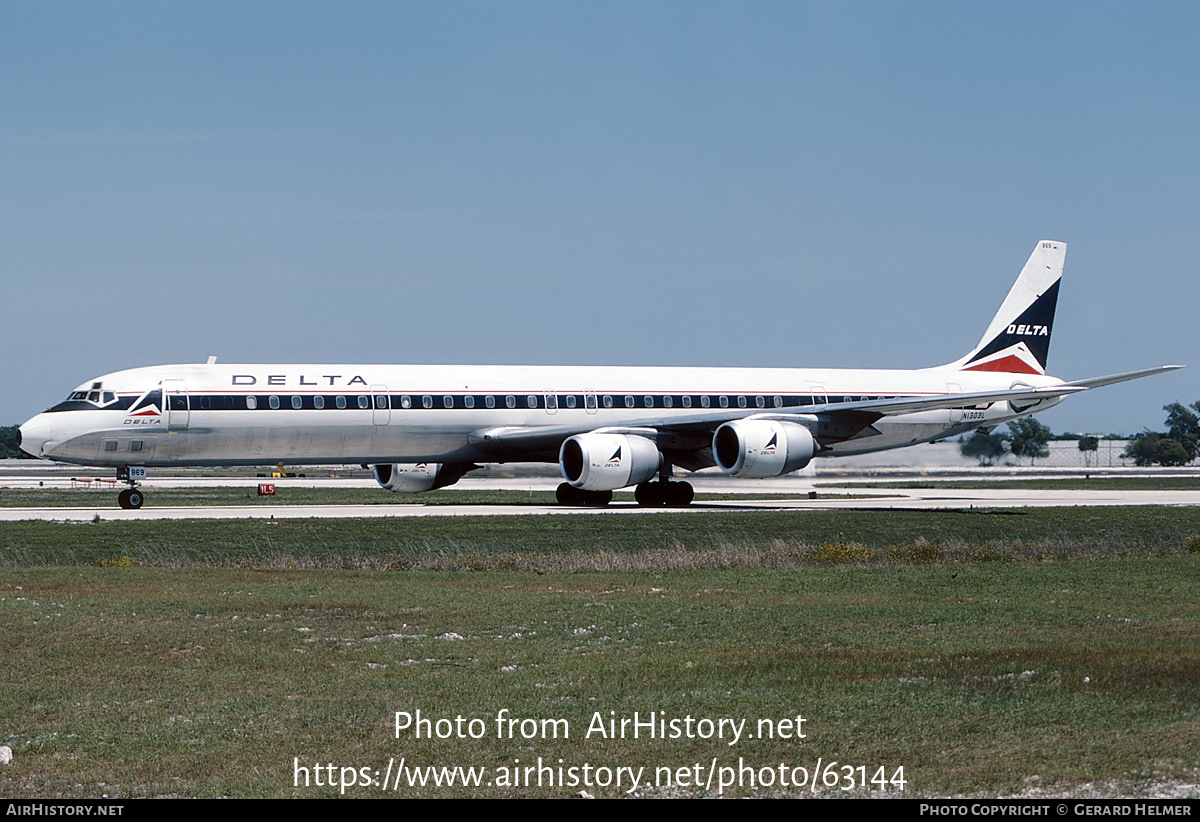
1178, 445
1026, 437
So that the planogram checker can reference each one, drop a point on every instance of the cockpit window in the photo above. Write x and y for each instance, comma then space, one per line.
95, 396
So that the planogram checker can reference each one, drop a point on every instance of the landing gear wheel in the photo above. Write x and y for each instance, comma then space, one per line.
648, 494
655, 494
597, 499
680, 494
568, 494
130, 498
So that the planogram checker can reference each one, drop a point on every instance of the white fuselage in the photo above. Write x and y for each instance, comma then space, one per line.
219, 414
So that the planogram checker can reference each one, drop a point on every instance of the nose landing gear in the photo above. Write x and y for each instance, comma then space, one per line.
131, 497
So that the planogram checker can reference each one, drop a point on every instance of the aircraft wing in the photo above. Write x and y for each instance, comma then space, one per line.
849, 417
690, 433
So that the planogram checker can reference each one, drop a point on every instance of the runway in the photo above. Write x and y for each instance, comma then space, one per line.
103, 504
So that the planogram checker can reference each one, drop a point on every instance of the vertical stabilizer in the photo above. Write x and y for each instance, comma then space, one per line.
1017, 341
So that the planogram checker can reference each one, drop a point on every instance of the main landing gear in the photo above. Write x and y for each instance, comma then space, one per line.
664, 492
568, 494
131, 497
648, 494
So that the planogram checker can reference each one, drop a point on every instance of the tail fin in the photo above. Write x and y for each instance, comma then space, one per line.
1017, 341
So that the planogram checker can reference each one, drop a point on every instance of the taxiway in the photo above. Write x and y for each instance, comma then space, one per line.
102, 504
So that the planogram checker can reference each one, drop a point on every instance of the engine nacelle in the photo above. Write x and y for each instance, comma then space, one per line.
753, 449
410, 478
606, 462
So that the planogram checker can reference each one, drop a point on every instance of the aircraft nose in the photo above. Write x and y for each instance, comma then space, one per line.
33, 436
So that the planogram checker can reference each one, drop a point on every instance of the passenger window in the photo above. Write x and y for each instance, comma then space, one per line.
760, 402
427, 402
273, 401
608, 403
705, 401
629, 400
468, 401
667, 401
318, 401
570, 400
405, 401
687, 402
531, 401
448, 401
510, 401
364, 402
340, 401
489, 401
251, 403
724, 401
297, 403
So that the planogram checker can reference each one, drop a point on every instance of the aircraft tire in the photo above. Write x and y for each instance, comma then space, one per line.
568, 494
649, 494
680, 494
130, 499
597, 499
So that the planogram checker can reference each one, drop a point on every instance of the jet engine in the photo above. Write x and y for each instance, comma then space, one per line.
753, 449
409, 478
605, 462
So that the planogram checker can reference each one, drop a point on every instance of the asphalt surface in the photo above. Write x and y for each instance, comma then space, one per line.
103, 502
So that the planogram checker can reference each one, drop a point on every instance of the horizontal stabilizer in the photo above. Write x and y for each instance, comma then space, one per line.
1111, 379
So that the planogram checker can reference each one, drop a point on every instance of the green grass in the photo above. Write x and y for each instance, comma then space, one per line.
975, 679
718, 538
983, 652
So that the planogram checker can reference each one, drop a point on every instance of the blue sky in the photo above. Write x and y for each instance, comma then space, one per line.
683, 183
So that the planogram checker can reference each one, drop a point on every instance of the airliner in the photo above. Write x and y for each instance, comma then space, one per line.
422, 427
